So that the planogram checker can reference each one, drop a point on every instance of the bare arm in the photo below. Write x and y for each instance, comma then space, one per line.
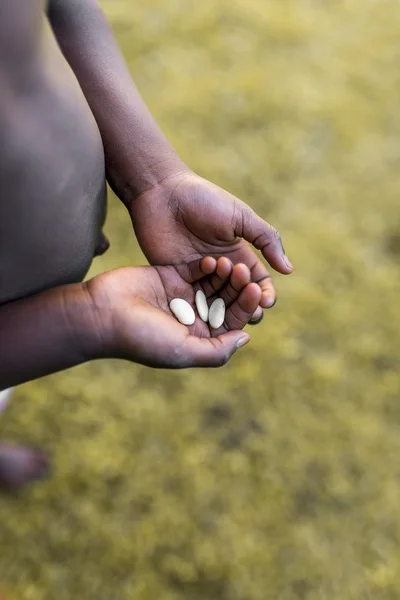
138, 156
142, 165
44, 334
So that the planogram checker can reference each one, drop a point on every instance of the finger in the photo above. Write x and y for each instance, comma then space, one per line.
268, 294
239, 278
212, 352
219, 278
222, 273
260, 275
197, 269
257, 317
241, 311
262, 236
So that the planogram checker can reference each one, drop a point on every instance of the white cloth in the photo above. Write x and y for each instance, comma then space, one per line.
4, 398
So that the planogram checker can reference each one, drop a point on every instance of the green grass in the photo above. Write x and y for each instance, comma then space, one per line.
278, 476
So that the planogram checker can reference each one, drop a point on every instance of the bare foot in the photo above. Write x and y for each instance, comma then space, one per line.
19, 465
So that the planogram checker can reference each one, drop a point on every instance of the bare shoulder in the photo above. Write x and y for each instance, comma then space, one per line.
21, 24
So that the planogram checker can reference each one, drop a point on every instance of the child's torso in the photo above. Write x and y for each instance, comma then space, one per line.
52, 178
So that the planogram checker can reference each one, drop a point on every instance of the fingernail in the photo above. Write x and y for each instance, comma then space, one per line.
270, 301
257, 320
242, 341
288, 263
257, 313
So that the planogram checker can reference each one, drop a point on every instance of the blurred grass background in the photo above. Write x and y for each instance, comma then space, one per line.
278, 476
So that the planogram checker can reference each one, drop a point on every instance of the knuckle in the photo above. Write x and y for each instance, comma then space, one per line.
278, 236
231, 293
237, 322
237, 318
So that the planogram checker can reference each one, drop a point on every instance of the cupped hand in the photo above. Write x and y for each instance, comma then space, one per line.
134, 321
186, 218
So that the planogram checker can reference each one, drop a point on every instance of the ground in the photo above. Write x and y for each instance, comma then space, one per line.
278, 476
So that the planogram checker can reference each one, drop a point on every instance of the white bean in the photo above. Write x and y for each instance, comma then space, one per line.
201, 305
216, 314
182, 311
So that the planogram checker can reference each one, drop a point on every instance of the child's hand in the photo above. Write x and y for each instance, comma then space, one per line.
133, 319
192, 218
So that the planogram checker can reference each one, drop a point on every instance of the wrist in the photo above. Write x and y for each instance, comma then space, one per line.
133, 184
88, 331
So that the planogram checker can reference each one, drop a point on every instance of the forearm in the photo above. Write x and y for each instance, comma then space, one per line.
45, 333
138, 156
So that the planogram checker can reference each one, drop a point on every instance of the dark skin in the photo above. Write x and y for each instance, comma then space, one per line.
70, 118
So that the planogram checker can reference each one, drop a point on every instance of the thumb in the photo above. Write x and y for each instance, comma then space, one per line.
262, 236
213, 352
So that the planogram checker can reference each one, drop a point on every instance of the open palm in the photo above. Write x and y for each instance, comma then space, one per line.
134, 317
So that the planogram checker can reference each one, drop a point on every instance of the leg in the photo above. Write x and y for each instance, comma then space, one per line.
19, 465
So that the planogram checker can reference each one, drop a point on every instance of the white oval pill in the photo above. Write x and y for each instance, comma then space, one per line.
182, 311
201, 305
216, 314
